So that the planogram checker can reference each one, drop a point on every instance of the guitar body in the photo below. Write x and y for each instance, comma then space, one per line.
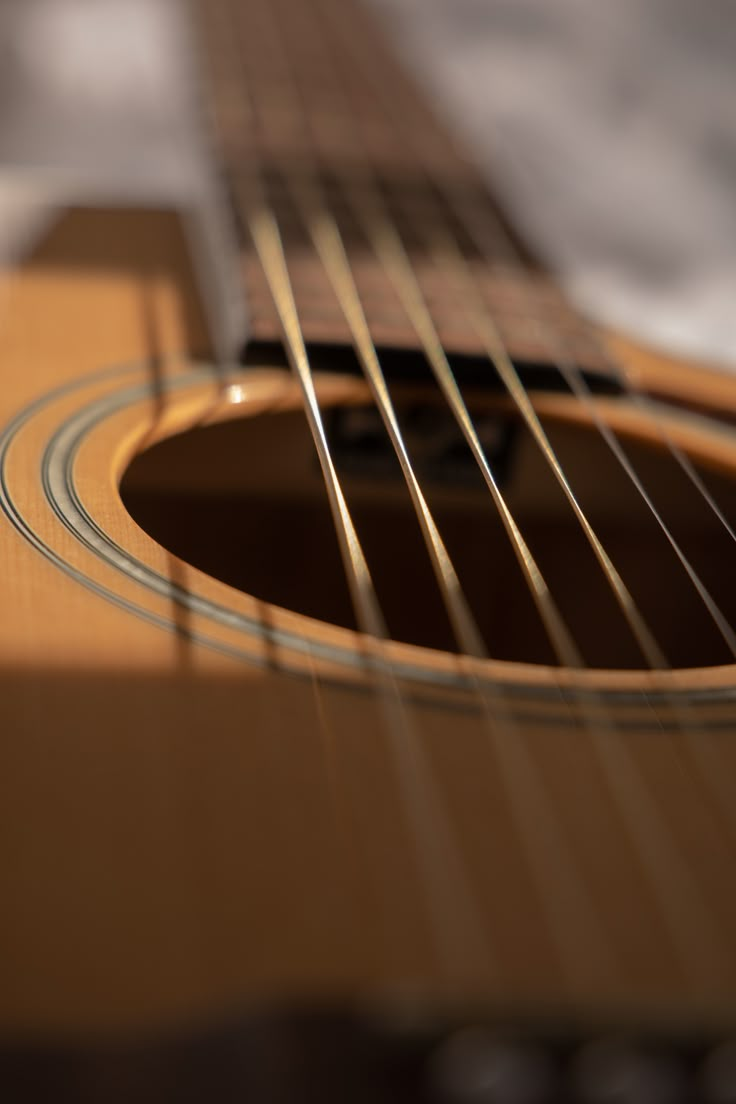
204, 809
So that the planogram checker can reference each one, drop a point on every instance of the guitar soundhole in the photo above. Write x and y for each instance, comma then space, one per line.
243, 500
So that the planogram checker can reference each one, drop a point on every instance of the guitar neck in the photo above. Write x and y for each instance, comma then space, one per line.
297, 93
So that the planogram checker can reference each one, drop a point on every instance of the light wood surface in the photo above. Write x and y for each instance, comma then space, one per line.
210, 803
195, 817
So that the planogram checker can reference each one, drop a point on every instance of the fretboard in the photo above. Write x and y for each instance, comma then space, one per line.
302, 90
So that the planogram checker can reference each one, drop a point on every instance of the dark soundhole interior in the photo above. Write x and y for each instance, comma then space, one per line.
243, 500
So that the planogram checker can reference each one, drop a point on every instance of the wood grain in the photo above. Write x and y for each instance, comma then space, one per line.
202, 807
184, 829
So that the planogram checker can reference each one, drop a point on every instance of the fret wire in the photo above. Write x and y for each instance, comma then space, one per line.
459, 937
673, 883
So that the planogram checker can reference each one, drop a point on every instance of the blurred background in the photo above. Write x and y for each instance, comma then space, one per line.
608, 130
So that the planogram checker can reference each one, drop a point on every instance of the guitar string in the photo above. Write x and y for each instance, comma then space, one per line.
217, 126
661, 855
447, 251
501, 240
330, 248
678, 889
701, 751
681, 713
548, 855
371, 209
579, 388
387, 244
691, 749
643, 402
448, 256
624, 380
458, 933
576, 382
547, 851
568, 937
443, 875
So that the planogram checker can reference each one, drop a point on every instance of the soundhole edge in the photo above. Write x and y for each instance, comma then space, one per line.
243, 500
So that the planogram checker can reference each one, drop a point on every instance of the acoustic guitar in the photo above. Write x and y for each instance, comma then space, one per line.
367, 705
